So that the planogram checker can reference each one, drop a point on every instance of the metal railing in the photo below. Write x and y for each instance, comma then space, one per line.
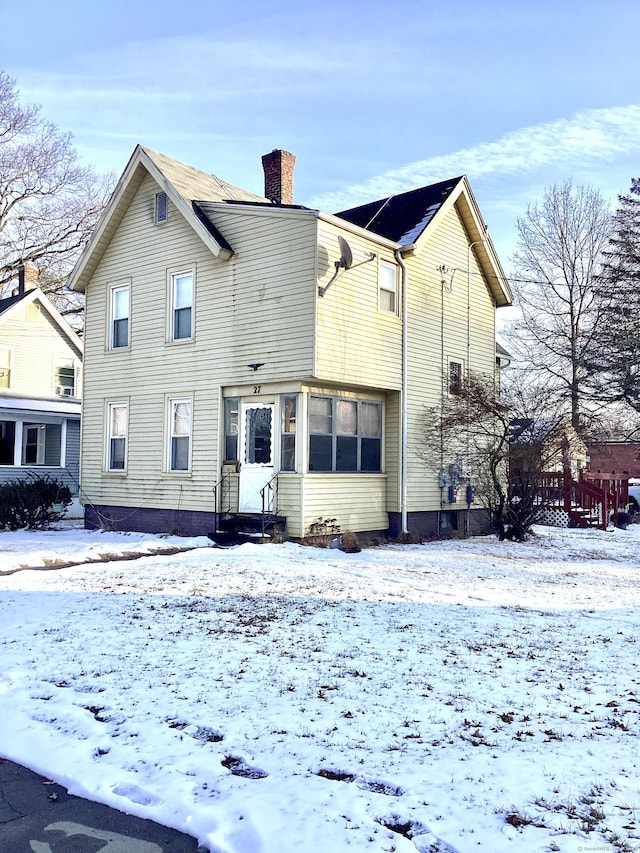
221, 490
269, 497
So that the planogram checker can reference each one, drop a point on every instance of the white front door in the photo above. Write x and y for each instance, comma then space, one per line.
256, 453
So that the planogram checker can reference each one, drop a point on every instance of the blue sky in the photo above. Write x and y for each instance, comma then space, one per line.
372, 97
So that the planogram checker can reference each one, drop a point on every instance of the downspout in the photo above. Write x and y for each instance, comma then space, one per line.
404, 395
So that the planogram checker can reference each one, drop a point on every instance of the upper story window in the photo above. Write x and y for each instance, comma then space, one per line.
65, 378
161, 207
117, 431
179, 435
182, 306
344, 435
5, 367
388, 287
119, 312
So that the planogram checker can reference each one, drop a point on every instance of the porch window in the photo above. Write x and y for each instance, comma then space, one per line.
180, 435
117, 426
5, 367
288, 434
41, 444
388, 287
231, 421
119, 316
182, 306
344, 435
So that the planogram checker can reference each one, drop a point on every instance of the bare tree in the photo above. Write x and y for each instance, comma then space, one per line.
557, 261
49, 203
500, 439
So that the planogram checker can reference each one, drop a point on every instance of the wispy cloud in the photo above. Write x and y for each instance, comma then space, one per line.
584, 139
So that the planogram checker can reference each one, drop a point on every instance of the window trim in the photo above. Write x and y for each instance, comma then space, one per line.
171, 405
114, 290
109, 409
384, 264
335, 435
173, 277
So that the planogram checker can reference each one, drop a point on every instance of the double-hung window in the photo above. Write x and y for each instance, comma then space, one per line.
388, 287
182, 306
119, 316
344, 434
288, 433
117, 429
65, 378
179, 435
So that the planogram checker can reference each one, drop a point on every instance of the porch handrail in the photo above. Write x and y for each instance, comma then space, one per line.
218, 490
269, 496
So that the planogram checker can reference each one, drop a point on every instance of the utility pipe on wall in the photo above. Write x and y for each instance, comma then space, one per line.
403, 401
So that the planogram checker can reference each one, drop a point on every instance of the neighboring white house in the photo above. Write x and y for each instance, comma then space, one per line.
245, 353
40, 387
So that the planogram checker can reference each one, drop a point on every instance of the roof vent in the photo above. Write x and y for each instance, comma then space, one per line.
162, 208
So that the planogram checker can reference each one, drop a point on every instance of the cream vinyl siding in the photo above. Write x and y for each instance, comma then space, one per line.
36, 346
255, 307
356, 501
268, 292
437, 334
356, 343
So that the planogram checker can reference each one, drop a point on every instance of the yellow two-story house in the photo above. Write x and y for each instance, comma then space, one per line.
246, 357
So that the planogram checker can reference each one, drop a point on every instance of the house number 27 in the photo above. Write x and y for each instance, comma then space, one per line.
257, 389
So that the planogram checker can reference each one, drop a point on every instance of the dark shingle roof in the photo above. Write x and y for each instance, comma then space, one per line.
403, 217
10, 300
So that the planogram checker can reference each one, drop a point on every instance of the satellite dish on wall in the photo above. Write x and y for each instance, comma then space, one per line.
346, 255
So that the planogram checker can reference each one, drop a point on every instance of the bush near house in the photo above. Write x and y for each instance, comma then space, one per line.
32, 502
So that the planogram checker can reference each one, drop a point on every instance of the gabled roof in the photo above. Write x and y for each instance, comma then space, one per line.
403, 217
11, 304
184, 186
409, 218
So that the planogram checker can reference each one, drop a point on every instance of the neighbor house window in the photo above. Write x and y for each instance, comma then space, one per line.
344, 435
65, 378
181, 306
288, 433
161, 207
7, 442
179, 435
41, 444
231, 420
455, 377
5, 367
119, 313
117, 427
388, 287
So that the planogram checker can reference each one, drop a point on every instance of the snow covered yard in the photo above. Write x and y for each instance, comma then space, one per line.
455, 696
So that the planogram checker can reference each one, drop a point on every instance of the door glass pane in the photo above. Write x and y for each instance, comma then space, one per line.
258, 436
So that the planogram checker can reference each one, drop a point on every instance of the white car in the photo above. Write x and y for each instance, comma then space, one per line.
634, 497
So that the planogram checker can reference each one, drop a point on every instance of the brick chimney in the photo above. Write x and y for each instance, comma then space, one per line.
278, 176
27, 277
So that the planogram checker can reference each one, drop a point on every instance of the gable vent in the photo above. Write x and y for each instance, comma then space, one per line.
162, 210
